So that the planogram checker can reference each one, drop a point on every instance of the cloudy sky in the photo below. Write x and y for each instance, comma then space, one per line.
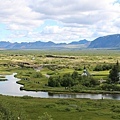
58, 20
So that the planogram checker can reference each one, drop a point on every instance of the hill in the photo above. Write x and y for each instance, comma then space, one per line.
109, 41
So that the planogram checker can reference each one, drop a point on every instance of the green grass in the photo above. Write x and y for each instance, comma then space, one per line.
2, 78
100, 77
28, 108
22, 62
30, 83
100, 72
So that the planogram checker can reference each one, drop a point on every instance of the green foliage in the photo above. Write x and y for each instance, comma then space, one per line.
54, 81
62, 102
9, 111
103, 67
70, 80
74, 75
114, 77
46, 116
12, 108
66, 80
116, 108
78, 88
57, 64
36, 75
31, 79
51, 73
110, 87
90, 82
27, 97
50, 105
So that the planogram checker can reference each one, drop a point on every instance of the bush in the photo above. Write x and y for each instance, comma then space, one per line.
50, 105
54, 82
27, 97
110, 87
36, 75
62, 102
65, 81
103, 67
90, 82
67, 109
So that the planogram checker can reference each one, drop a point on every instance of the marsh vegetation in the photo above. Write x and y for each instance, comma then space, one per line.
29, 108
60, 71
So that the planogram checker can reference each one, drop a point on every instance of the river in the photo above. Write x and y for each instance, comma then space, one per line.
11, 88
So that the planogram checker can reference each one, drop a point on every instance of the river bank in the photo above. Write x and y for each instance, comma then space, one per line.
11, 88
62, 90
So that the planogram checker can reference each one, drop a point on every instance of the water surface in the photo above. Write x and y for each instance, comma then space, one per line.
11, 88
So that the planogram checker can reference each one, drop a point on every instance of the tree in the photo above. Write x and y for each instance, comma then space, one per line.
67, 80
54, 81
114, 73
98, 68
102, 67
75, 75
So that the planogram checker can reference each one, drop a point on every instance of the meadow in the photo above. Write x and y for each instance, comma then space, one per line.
29, 108
34, 67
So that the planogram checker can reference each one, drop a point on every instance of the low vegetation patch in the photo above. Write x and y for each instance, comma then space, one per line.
29, 108
62, 71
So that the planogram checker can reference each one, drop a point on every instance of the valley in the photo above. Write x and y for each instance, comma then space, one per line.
36, 68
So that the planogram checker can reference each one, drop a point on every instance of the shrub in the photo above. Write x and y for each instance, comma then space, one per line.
103, 67
54, 81
50, 105
36, 75
110, 87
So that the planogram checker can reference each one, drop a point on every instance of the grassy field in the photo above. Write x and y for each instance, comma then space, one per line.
53, 63
32, 66
28, 108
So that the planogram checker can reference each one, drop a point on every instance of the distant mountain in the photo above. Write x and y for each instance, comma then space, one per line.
4, 44
25, 45
109, 41
42, 45
79, 42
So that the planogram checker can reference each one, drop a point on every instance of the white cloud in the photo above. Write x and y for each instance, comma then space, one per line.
60, 34
79, 18
17, 15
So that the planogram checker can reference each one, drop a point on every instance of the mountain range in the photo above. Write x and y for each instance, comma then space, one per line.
109, 41
43, 45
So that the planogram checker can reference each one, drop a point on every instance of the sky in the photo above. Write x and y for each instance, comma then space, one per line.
58, 20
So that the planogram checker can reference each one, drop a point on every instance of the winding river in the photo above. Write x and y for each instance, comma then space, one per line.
11, 88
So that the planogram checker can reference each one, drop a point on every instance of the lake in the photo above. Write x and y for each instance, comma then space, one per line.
11, 88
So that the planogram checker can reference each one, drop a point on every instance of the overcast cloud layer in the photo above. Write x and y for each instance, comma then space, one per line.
58, 20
